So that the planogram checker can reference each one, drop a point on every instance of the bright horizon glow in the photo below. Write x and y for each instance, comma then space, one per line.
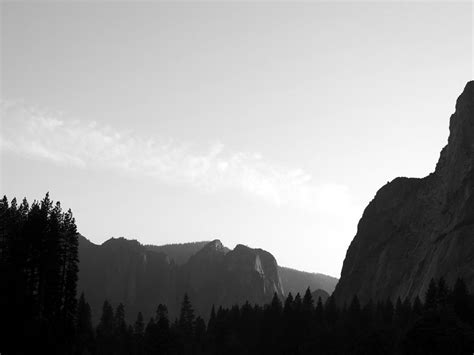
266, 124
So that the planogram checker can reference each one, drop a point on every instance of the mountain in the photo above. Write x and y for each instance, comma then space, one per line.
295, 281
179, 253
418, 229
320, 294
215, 276
122, 270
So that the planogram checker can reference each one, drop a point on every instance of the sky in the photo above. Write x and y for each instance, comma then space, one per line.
269, 124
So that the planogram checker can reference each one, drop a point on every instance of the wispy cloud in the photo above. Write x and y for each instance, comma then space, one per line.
82, 144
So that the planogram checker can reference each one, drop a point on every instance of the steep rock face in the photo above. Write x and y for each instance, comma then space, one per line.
294, 281
179, 253
125, 271
201, 277
215, 276
122, 270
416, 229
246, 267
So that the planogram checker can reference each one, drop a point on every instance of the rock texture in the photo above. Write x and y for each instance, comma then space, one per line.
417, 229
125, 271
179, 253
294, 281
215, 276
122, 270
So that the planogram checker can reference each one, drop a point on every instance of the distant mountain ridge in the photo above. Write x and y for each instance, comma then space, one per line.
178, 252
293, 280
142, 276
297, 281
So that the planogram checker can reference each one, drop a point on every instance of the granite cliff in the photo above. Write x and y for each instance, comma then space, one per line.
294, 281
416, 229
122, 270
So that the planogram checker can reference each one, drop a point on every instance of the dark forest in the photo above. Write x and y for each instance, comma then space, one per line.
41, 311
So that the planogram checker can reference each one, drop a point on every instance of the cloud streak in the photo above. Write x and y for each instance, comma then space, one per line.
41, 135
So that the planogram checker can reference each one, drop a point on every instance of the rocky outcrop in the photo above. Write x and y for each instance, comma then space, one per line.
122, 270
215, 276
246, 267
125, 271
179, 253
417, 229
294, 281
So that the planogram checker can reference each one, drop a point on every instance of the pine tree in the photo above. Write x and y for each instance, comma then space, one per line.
367, 313
460, 299
105, 330
71, 265
150, 338
53, 264
388, 310
288, 307
162, 318
211, 324
399, 309
354, 311
331, 312
139, 326
46, 260
308, 302
84, 330
319, 311
84, 323
32, 246
186, 317
297, 303
431, 296
442, 294
417, 306
276, 306
119, 320
122, 337
200, 331
407, 311
107, 319
4, 209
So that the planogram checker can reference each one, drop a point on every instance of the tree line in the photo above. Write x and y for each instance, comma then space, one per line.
442, 324
40, 311
38, 270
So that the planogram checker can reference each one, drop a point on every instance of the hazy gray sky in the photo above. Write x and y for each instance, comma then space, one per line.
266, 124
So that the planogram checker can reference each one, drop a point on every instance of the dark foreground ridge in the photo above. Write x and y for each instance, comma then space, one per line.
418, 229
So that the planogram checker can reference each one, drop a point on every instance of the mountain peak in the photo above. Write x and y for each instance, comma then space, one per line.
214, 246
457, 155
210, 250
122, 242
467, 95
